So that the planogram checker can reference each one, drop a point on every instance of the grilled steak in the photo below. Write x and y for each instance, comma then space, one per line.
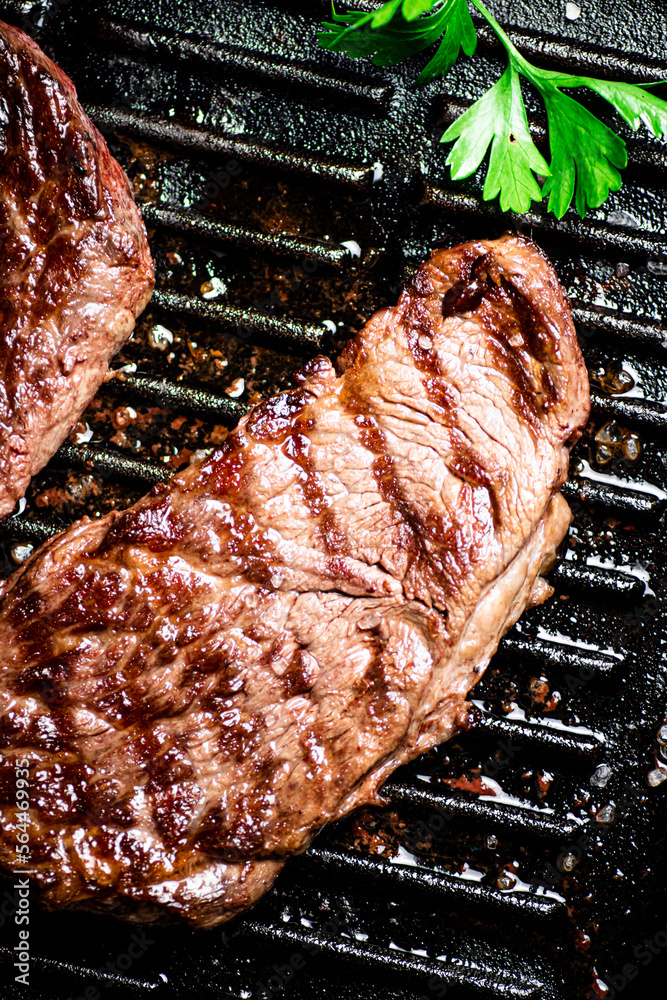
199, 683
75, 268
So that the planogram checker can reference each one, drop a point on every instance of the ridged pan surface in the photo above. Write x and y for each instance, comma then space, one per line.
288, 193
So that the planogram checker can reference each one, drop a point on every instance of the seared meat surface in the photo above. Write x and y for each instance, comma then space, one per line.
75, 268
203, 681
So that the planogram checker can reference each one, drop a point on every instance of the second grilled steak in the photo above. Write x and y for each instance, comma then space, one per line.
200, 683
75, 268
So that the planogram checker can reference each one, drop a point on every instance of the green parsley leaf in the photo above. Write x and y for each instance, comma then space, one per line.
498, 119
586, 155
386, 35
397, 30
459, 34
634, 104
385, 13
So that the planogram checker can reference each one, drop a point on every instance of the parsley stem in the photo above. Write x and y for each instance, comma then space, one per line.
521, 64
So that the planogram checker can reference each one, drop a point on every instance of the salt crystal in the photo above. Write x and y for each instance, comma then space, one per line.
601, 776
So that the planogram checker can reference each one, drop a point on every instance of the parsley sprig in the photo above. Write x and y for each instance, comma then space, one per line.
586, 156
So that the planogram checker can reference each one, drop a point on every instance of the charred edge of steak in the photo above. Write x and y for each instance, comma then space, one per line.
468, 292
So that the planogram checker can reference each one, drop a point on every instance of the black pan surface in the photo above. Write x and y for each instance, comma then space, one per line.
288, 193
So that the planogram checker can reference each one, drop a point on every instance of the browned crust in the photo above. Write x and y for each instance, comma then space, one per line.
75, 268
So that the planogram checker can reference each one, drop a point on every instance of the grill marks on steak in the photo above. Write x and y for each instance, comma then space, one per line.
75, 268
204, 680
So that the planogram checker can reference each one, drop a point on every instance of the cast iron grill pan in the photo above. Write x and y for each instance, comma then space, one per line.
288, 193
